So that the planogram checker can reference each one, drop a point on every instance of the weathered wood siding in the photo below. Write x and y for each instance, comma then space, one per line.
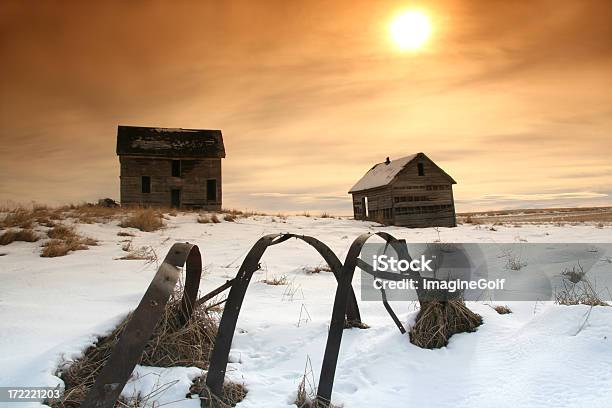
411, 200
191, 183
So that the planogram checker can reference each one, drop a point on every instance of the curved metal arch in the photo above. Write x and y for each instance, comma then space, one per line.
225, 334
334, 336
138, 331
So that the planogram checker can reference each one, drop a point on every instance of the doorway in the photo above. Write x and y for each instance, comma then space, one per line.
175, 198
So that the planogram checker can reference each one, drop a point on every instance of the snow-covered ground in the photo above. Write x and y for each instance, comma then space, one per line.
541, 355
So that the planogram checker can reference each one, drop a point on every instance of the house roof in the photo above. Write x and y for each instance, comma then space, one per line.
383, 173
169, 142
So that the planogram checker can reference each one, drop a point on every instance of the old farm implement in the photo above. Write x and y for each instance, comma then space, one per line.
128, 350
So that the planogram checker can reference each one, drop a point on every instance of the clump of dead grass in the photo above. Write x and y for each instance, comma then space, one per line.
233, 393
316, 269
208, 219
146, 253
18, 217
276, 281
502, 309
306, 394
146, 219
23, 235
171, 345
125, 234
437, 321
576, 289
229, 217
88, 213
65, 239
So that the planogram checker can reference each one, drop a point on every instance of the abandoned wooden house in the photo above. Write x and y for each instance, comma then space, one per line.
410, 191
178, 168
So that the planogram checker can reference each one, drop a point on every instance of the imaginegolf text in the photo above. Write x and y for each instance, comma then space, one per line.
447, 285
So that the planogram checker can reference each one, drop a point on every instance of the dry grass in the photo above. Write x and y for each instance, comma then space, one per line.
577, 289
558, 216
172, 345
24, 235
208, 219
317, 269
438, 321
233, 393
125, 234
18, 217
502, 309
229, 217
146, 219
65, 239
91, 213
146, 253
325, 215
276, 281
306, 394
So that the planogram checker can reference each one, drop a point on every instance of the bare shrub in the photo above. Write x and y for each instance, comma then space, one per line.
24, 235
325, 215
171, 345
146, 220
306, 214
437, 321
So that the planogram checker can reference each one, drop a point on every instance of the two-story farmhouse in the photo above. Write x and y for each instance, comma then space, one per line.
170, 167
411, 191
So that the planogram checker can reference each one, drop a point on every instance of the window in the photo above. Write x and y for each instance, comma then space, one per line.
145, 184
211, 190
421, 169
176, 168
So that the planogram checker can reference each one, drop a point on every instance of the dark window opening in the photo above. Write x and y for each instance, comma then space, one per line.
211, 190
145, 184
176, 168
421, 169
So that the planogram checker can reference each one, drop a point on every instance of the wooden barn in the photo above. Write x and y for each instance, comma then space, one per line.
411, 191
178, 168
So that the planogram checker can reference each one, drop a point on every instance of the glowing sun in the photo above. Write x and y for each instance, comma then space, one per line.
410, 30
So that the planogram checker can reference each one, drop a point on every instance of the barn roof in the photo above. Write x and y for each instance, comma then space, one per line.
383, 173
169, 142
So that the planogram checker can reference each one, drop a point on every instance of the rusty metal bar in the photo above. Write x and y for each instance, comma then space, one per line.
334, 336
219, 357
126, 354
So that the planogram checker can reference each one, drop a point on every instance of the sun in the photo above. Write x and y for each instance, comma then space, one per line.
410, 30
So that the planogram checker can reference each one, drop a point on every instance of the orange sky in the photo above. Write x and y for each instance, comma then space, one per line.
512, 98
